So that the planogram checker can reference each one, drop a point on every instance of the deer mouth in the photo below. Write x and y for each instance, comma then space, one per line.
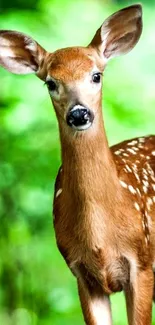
80, 118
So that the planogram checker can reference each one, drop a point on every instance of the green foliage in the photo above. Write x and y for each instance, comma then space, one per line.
36, 286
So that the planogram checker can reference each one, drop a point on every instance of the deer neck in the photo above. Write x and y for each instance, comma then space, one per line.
89, 172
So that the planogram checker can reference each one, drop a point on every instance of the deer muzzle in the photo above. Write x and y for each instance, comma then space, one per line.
80, 118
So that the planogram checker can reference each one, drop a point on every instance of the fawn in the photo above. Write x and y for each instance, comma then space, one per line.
104, 203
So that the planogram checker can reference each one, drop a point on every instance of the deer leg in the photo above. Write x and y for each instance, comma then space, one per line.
139, 298
129, 304
95, 305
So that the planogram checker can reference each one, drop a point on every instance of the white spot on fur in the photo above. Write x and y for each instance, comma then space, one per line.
128, 169
145, 189
131, 151
142, 140
145, 177
153, 178
146, 183
123, 184
153, 153
58, 192
140, 146
153, 186
132, 143
131, 189
138, 191
137, 206
149, 202
137, 177
135, 167
144, 171
117, 152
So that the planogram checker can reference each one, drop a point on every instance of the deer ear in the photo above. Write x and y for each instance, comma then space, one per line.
119, 33
19, 53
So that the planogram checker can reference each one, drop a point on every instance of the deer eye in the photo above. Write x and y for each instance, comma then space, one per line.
51, 84
96, 77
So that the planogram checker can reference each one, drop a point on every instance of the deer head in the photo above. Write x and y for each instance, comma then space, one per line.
74, 75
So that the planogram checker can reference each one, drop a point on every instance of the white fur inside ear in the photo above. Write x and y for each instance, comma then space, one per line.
120, 32
12, 65
5, 51
105, 32
4, 42
19, 53
104, 36
30, 45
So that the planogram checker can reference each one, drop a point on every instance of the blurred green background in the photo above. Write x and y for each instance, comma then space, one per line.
36, 287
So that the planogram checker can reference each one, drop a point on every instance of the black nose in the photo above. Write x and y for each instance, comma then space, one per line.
80, 117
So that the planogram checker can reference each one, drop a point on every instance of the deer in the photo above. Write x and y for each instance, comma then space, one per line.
104, 201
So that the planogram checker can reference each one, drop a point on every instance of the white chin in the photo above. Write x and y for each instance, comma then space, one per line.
82, 127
